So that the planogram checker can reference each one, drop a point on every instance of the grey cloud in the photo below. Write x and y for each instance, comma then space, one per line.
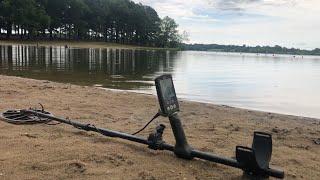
240, 5
232, 5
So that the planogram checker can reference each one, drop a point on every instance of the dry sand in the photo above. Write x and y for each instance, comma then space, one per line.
63, 152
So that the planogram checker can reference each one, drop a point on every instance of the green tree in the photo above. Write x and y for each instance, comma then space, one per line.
121, 21
56, 9
6, 9
169, 36
34, 18
76, 18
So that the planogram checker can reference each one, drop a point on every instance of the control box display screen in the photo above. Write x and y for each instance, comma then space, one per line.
167, 95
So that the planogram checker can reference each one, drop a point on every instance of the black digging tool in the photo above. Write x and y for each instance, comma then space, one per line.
253, 161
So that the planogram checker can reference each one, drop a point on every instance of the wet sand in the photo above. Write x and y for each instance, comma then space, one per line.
63, 152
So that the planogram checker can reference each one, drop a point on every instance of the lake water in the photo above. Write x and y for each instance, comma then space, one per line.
282, 84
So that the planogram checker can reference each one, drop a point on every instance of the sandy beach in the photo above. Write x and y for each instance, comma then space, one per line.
63, 152
76, 44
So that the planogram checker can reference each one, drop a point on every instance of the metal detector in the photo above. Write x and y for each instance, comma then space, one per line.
253, 161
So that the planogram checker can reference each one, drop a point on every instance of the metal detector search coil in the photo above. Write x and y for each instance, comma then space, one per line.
20, 117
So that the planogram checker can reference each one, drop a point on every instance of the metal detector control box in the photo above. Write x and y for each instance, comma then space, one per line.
167, 95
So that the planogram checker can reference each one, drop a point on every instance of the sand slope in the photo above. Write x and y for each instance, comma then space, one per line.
62, 152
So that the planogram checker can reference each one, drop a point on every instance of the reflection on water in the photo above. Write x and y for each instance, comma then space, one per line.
109, 68
283, 84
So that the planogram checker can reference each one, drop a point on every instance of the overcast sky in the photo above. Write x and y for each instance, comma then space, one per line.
290, 23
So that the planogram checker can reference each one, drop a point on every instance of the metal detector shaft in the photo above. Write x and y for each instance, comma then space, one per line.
105, 132
164, 146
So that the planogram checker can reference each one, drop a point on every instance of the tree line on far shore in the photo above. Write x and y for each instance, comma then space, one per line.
248, 49
119, 21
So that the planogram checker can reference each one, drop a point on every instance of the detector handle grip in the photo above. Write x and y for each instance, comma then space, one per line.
182, 148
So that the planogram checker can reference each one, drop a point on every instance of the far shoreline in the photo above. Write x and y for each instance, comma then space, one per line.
259, 54
79, 44
105, 45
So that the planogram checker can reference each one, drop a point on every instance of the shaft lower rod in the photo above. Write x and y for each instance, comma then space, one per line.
232, 162
90, 127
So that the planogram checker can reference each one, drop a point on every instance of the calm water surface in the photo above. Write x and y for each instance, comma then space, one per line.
282, 84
